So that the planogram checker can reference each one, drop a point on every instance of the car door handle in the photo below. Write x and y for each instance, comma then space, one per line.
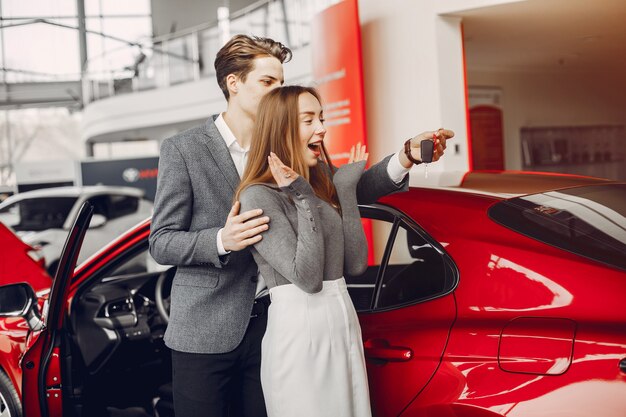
381, 350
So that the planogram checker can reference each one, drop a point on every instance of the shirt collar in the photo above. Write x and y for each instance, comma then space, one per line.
227, 134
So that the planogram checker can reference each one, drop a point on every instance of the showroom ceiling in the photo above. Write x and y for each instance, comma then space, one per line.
540, 35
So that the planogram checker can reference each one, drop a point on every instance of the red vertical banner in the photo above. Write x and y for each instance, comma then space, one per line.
338, 73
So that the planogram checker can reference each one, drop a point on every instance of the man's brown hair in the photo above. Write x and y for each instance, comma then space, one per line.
237, 57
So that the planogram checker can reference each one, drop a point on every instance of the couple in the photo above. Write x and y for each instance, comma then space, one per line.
290, 207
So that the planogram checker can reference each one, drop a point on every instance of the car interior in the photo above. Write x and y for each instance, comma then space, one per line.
116, 363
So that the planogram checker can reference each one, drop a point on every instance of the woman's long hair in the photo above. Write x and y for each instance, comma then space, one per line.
277, 130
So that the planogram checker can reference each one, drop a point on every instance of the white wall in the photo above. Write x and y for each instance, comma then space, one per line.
455, 6
414, 74
403, 64
553, 99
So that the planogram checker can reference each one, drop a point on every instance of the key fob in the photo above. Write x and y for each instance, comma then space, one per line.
427, 148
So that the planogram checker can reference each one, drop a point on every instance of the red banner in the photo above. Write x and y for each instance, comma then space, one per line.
337, 69
338, 73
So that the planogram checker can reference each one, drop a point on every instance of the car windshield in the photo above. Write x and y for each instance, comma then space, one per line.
589, 221
37, 214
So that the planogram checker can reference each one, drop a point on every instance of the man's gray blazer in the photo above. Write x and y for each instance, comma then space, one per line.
212, 296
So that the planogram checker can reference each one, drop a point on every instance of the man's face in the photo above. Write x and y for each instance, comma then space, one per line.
266, 75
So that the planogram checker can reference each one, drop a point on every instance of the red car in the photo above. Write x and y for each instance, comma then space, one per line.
15, 249
476, 304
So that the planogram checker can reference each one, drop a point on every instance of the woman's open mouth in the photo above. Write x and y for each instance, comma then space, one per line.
316, 148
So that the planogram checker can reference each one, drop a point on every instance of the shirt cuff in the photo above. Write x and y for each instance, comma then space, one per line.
395, 169
220, 246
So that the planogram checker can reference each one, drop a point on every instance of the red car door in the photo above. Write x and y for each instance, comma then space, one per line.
41, 383
412, 310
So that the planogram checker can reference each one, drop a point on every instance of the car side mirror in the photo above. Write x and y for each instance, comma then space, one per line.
20, 300
97, 220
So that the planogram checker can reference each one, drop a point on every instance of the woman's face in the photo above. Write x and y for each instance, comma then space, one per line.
312, 129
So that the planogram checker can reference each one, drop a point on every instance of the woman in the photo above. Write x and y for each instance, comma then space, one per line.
312, 353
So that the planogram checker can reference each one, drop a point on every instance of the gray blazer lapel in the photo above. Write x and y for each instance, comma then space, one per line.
221, 154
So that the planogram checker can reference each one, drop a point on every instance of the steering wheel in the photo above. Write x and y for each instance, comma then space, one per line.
163, 285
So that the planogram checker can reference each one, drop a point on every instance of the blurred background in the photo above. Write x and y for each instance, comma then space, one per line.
89, 88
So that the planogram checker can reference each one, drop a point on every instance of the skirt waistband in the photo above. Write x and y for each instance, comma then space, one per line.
291, 291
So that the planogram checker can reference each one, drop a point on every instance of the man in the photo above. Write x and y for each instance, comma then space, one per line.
217, 315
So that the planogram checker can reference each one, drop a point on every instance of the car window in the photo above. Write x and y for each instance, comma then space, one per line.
114, 206
121, 205
588, 221
101, 205
138, 263
361, 288
36, 214
415, 271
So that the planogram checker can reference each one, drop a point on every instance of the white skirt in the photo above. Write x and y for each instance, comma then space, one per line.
312, 362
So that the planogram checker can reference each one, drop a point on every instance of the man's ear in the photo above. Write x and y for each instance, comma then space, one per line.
231, 83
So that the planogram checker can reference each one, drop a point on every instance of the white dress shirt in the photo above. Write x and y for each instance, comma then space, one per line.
240, 157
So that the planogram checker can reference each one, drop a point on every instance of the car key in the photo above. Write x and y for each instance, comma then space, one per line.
427, 148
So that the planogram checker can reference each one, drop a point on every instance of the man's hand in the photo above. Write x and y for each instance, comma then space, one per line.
439, 136
243, 230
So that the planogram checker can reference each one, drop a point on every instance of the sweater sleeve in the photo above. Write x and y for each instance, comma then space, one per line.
355, 243
376, 183
297, 255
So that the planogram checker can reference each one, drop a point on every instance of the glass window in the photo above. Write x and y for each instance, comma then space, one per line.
122, 205
137, 261
416, 271
136, 264
52, 51
588, 221
116, 7
108, 54
36, 214
361, 288
31, 8
101, 205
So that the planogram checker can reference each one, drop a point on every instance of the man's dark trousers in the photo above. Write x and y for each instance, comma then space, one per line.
223, 384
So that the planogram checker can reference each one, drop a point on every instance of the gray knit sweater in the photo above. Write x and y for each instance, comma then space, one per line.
308, 241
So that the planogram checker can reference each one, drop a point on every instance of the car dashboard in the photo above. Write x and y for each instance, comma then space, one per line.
116, 322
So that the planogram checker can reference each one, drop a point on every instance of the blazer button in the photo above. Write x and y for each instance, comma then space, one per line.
254, 279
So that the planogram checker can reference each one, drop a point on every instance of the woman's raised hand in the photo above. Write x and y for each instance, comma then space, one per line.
358, 153
283, 175
347, 176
